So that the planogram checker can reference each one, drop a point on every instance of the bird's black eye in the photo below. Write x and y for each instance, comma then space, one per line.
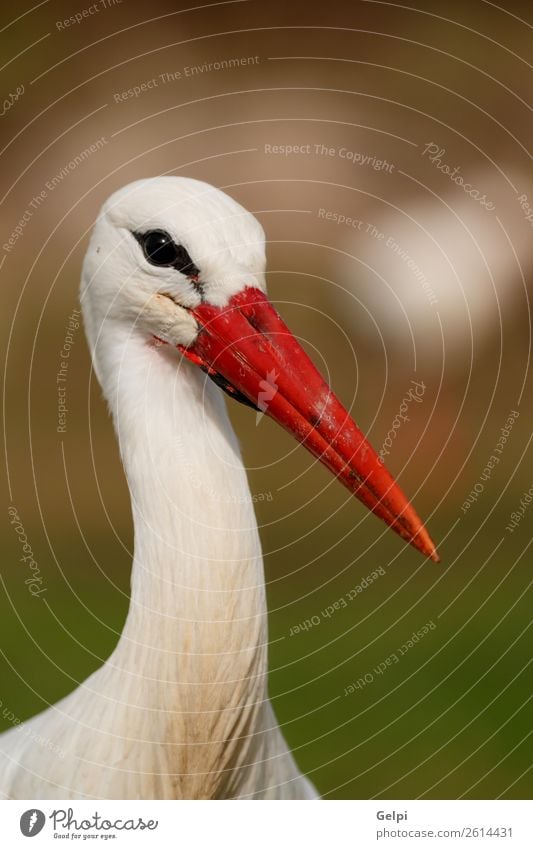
159, 249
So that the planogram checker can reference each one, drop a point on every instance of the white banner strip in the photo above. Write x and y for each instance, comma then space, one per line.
264, 825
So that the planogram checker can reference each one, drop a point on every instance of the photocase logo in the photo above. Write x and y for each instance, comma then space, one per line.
32, 822
268, 387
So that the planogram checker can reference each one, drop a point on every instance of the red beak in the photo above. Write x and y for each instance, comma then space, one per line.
251, 353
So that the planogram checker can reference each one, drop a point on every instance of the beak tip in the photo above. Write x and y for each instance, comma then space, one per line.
428, 548
423, 542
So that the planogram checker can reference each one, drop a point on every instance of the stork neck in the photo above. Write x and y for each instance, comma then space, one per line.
194, 648
197, 554
196, 628
191, 664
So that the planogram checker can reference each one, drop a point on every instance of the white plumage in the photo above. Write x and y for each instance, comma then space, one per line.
180, 709
174, 279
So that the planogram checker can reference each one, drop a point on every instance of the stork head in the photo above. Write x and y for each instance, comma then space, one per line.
176, 260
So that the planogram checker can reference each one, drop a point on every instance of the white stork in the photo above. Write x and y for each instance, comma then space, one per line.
172, 290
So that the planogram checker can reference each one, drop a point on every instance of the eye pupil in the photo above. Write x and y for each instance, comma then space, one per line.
160, 249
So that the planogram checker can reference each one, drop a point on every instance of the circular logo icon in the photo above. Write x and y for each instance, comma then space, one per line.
32, 822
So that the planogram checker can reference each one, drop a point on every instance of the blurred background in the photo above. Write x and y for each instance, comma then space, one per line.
385, 151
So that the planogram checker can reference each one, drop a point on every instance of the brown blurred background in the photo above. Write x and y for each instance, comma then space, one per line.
362, 90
